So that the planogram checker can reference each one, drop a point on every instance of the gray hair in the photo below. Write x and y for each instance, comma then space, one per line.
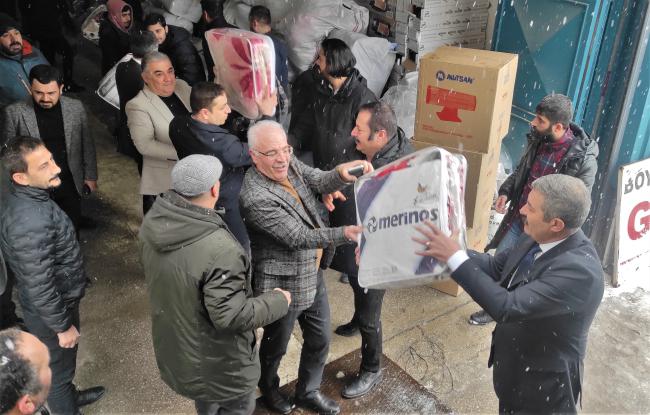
565, 197
142, 43
151, 57
256, 132
18, 377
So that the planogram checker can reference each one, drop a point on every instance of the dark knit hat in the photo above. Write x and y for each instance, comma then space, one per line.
7, 22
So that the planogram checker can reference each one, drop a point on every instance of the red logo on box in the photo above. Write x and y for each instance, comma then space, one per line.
451, 101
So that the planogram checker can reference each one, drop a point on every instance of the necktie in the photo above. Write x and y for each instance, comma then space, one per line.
526, 263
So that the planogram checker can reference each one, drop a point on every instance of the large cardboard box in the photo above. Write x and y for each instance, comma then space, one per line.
480, 185
465, 98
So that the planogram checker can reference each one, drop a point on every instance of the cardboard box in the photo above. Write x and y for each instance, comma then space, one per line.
427, 4
465, 98
403, 16
480, 186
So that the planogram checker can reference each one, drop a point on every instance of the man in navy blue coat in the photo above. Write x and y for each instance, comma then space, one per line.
543, 293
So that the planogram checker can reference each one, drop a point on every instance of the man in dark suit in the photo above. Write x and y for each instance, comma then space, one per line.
129, 82
543, 293
290, 243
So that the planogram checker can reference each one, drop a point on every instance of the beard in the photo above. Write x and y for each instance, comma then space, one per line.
544, 136
14, 49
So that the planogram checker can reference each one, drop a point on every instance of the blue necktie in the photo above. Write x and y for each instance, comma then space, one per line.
526, 263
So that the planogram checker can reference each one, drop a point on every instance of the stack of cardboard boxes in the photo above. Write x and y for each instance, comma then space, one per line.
464, 104
421, 26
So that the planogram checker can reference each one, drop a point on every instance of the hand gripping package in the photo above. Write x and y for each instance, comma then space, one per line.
392, 201
244, 66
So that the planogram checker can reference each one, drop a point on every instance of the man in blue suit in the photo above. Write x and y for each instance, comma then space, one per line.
543, 293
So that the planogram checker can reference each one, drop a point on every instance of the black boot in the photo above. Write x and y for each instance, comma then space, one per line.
90, 395
318, 402
275, 401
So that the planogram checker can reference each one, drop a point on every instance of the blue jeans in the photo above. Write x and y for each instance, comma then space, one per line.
512, 235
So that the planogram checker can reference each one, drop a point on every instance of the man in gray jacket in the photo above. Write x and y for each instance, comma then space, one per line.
203, 310
62, 124
290, 243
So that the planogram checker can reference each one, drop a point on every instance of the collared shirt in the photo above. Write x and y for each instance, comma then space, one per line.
460, 256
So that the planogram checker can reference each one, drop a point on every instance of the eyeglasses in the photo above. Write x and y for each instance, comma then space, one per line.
288, 150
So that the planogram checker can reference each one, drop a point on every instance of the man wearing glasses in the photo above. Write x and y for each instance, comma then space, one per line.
290, 244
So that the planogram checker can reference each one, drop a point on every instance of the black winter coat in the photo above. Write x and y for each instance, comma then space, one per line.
184, 56
345, 213
303, 95
40, 245
129, 82
114, 44
580, 161
327, 126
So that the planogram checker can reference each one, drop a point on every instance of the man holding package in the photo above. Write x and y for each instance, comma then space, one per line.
381, 141
543, 293
290, 243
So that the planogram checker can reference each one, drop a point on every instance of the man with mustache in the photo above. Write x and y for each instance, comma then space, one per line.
555, 145
40, 245
17, 58
61, 123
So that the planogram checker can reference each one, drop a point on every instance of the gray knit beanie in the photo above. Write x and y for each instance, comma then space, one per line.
195, 174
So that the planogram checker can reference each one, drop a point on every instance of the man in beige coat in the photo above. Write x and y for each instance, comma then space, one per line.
149, 114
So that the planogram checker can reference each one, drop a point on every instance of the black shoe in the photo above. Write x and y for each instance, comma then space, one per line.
348, 329
274, 401
73, 87
344, 278
318, 402
363, 383
90, 395
480, 318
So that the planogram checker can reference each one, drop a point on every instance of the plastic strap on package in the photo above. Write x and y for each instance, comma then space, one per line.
374, 59
391, 201
107, 89
247, 67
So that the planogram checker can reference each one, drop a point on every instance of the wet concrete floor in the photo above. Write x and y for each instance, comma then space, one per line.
425, 332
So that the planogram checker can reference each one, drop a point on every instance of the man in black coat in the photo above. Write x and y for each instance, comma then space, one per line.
212, 19
555, 145
40, 245
176, 43
129, 82
381, 141
543, 293
201, 133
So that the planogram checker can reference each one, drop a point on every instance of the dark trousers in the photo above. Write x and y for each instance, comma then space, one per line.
244, 405
147, 202
8, 316
315, 325
367, 314
236, 225
69, 200
63, 363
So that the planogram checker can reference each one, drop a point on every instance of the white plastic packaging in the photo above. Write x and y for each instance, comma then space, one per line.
107, 89
245, 67
393, 200
403, 98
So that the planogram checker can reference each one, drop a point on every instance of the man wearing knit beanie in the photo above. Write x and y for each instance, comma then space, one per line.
203, 313
17, 58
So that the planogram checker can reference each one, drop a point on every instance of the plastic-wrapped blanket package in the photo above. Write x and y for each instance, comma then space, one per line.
403, 98
374, 59
391, 201
107, 89
90, 25
187, 9
312, 20
246, 69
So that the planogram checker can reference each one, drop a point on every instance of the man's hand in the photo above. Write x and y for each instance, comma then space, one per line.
69, 338
500, 205
328, 200
342, 169
352, 232
286, 294
92, 185
437, 244
267, 104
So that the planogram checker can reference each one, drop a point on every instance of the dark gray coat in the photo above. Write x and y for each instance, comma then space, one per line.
20, 119
40, 245
580, 161
286, 234
543, 320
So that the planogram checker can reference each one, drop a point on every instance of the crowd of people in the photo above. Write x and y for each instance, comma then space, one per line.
239, 225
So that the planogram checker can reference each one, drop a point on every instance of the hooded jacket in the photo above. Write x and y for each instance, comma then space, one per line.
579, 161
345, 212
327, 126
14, 73
202, 309
185, 59
114, 38
40, 245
